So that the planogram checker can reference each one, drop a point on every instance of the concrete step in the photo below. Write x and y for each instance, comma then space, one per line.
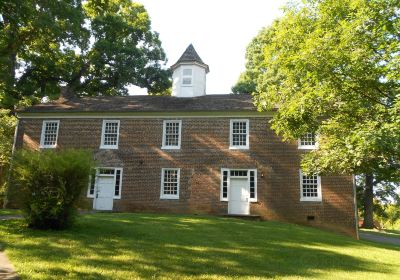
244, 217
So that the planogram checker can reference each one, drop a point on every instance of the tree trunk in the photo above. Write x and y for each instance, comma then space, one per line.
369, 202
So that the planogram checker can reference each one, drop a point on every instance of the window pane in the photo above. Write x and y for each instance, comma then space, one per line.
252, 185
309, 185
170, 186
117, 183
187, 72
111, 134
172, 134
239, 133
187, 81
308, 139
225, 184
50, 133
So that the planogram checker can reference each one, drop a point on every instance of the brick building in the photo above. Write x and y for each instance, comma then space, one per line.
190, 153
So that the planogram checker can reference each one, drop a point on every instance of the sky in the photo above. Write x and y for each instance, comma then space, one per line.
219, 30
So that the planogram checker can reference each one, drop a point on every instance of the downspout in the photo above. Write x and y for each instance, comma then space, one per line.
5, 204
355, 206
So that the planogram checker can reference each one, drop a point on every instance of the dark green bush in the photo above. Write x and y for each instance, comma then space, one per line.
50, 183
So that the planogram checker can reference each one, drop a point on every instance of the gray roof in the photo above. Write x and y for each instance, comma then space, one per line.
190, 55
147, 103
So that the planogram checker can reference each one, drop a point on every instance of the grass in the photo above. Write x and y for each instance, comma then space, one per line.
10, 212
386, 232
137, 246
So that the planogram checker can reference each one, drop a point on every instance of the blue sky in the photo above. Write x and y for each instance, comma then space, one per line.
219, 30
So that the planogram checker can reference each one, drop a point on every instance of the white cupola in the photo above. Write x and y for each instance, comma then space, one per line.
189, 75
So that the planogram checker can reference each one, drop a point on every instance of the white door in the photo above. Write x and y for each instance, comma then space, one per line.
104, 193
239, 197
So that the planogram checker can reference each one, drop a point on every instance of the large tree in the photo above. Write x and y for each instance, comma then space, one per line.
98, 47
95, 47
333, 67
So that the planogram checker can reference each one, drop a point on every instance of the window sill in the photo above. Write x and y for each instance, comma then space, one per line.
116, 197
311, 199
239, 148
47, 147
109, 147
307, 147
169, 197
170, 147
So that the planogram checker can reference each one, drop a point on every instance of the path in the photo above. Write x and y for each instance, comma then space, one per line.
7, 271
380, 238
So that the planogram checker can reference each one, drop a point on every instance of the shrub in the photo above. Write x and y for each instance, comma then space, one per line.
50, 184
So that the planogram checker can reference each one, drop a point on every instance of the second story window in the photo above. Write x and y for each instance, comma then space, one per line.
49, 135
110, 134
172, 134
187, 77
308, 141
239, 134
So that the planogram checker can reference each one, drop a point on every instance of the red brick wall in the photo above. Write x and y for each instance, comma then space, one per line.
204, 151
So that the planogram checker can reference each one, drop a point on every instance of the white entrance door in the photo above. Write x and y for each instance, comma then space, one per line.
239, 197
104, 193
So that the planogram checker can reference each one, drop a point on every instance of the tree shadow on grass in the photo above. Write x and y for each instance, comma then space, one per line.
146, 245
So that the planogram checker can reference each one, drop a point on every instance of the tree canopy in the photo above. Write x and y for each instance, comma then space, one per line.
95, 47
333, 67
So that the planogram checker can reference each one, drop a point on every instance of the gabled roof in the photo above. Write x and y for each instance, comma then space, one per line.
148, 103
189, 56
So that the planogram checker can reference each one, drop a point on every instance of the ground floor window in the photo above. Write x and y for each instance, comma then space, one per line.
250, 174
310, 187
170, 178
102, 172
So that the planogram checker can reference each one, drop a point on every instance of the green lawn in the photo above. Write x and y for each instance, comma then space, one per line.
132, 246
10, 212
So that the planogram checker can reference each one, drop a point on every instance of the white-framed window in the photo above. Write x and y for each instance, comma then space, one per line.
92, 183
170, 179
49, 134
227, 174
116, 173
172, 134
308, 141
310, 187
110, 134
187, 76
239, 134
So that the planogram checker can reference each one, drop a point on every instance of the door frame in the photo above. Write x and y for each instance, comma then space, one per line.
228, 170
94, 180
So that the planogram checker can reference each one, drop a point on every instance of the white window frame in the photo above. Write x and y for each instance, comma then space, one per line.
97, 174
170, 196
255, 199
315, 199
102, 146
42, 135
308, 147
187, 76
241, 147
90, 183
164, 146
